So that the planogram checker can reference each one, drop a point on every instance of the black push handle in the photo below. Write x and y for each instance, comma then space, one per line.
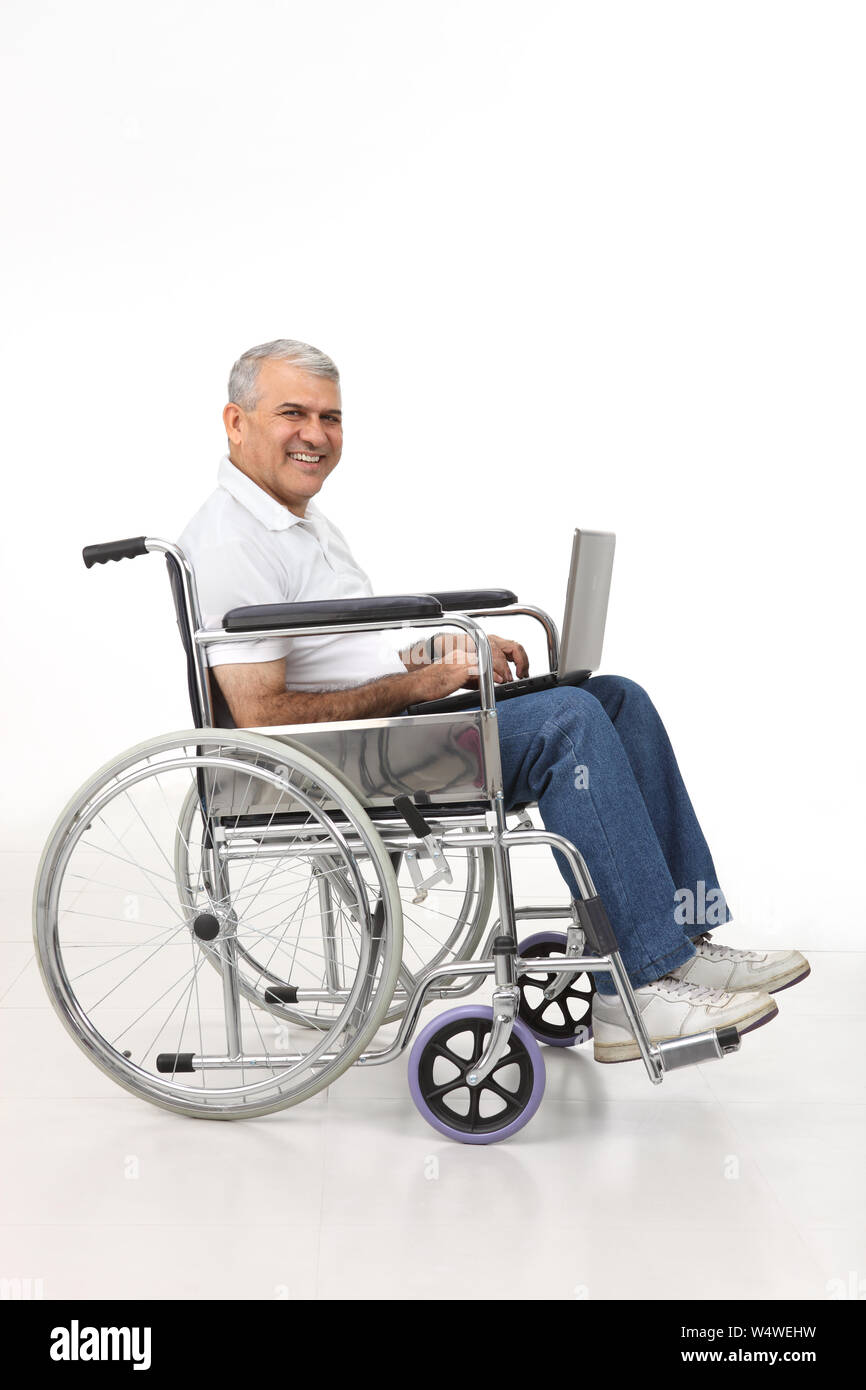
114, 550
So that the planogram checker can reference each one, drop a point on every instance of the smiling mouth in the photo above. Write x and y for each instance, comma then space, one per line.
310, 460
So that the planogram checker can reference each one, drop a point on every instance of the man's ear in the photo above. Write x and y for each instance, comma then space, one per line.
232, 415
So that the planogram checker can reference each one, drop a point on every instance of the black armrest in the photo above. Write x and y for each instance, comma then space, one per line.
458, 600
323, 612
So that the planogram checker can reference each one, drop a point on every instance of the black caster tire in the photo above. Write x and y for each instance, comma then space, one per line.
501, 1104
562, 1022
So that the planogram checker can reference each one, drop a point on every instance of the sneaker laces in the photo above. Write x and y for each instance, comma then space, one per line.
688, 989
715, 948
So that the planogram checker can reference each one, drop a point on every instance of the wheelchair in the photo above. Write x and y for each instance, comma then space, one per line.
226, 918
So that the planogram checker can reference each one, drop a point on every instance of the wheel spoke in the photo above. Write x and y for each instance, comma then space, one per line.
458, 1084
443, 1050
512, 1104
474, 1106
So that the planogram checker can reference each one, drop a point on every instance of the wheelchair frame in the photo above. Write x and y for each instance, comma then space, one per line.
459, 815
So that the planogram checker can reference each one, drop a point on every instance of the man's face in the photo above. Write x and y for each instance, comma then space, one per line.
293, 438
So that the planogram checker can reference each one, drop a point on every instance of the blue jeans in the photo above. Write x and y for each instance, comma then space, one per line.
597, 760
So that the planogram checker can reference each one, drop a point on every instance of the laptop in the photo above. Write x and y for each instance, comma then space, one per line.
582, 628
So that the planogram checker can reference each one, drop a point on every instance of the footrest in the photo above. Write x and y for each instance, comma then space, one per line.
700, 1047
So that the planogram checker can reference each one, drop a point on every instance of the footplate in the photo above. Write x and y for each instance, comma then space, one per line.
700, 1047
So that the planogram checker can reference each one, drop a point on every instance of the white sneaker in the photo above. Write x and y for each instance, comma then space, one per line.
674, 1009
723, 967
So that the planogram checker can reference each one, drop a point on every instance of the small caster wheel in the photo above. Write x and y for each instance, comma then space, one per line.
565, 1020
499, 1105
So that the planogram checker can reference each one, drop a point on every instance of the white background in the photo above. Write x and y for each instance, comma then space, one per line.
580, 264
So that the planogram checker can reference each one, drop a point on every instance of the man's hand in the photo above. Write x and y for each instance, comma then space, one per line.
504, 650
458, 647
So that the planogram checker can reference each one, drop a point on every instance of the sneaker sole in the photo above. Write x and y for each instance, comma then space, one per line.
630, 1052
786, 984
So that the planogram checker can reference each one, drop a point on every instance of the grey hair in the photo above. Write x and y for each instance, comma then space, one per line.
244, 375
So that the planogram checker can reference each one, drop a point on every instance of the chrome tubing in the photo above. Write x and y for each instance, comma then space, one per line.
192, 610
551, 631
504, 1014
207, 636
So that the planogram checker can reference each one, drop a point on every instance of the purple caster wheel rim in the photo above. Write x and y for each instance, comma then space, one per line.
568, 1031
430, 1094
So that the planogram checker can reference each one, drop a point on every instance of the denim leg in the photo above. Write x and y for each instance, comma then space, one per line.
701, 901
560, 748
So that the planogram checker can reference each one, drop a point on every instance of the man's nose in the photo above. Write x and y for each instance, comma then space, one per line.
312, 432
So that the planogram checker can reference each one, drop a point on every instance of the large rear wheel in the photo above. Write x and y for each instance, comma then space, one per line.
125, 949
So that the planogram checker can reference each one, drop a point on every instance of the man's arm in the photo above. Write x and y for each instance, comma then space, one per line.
256, 693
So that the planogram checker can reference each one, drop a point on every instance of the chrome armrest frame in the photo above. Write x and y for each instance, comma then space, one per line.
551, 631
208, 636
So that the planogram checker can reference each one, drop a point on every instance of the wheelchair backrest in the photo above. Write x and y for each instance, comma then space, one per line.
200, 716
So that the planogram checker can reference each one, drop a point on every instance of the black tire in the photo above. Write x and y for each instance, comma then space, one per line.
565, 1021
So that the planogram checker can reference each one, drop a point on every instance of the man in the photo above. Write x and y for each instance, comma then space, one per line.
260, 538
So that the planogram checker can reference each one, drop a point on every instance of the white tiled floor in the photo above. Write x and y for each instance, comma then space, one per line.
742, 1178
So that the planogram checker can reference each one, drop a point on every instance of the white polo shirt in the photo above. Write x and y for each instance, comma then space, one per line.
247, 548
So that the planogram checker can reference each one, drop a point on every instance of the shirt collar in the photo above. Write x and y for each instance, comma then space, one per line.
263, 507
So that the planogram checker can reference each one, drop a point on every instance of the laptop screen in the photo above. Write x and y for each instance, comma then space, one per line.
586, 601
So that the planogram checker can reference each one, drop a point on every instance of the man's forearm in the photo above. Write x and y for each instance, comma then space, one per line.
388, 695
